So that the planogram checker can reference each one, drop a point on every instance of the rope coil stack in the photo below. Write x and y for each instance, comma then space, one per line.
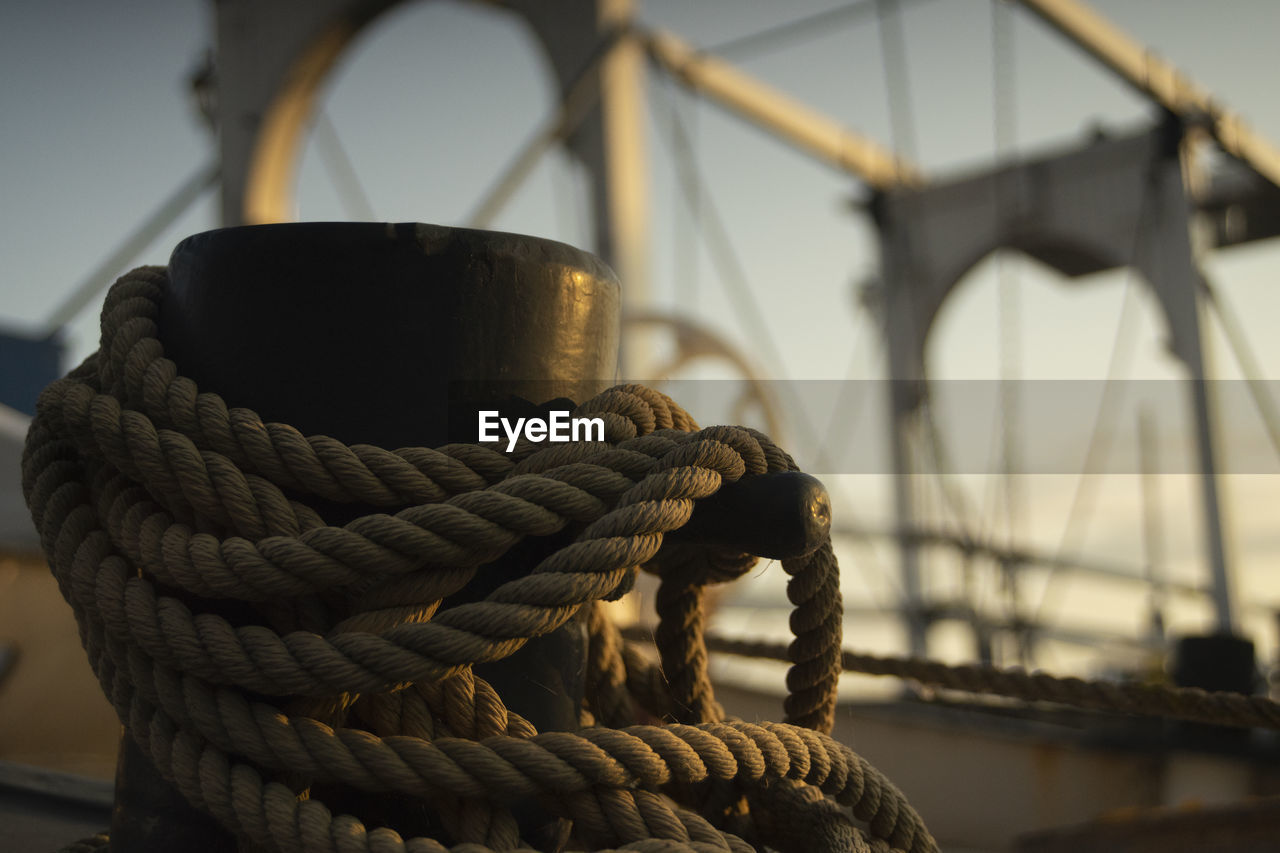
262, 657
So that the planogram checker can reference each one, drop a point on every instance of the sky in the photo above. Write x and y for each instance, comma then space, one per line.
437, 96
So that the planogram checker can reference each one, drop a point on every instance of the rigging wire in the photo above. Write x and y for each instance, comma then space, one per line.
342, 172
931, 457
569, 198
175, 204
1002, 134
1245, 359
731, 271
797, 30
730, 268
1008, 300
903, 137
580, 95
1008, 305
1081, 509
893, 55
563, 206
687, 258
847, 426
955, 501
847, 400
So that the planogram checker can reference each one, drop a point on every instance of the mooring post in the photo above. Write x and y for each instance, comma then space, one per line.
393, 335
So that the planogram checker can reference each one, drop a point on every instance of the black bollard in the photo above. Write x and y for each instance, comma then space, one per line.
1218, 663
394, 335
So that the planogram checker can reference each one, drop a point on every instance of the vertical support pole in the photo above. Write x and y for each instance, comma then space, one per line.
611, 142
1223, 594
906, 388
1168, 261
619, 167
1223, 660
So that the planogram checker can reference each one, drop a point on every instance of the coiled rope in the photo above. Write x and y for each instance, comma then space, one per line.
157, 504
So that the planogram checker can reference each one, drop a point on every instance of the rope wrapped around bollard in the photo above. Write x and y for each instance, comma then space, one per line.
259, 655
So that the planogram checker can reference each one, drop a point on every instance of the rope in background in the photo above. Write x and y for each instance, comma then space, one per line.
1192, 704
261, 657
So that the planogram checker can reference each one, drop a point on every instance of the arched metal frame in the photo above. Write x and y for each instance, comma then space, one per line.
1079, 212
274, 58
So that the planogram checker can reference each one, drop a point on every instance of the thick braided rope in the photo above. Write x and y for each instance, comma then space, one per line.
1192, 704
141, 485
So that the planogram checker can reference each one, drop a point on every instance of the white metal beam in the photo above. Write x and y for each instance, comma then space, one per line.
779, 114
1158, 80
